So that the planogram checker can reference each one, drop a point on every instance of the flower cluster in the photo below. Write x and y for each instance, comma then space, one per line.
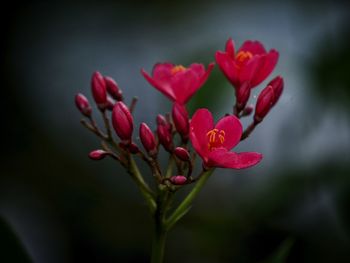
245, 69
181, 136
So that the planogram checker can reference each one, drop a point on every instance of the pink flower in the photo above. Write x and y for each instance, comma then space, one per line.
213, 143
251, 63
177, 82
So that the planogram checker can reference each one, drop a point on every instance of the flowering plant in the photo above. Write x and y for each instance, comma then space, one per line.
197, 135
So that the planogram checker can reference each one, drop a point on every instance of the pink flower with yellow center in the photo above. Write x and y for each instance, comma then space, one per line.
251, 63
214, 142
177, 82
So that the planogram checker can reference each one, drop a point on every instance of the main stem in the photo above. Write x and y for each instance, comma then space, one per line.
160, 230
158, 244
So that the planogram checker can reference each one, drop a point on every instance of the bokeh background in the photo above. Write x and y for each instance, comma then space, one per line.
56, 205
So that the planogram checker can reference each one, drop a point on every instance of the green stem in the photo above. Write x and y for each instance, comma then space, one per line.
160, 231
185, 205
158, 244
142, 185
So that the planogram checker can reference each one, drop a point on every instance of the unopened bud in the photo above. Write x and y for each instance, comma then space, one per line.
98, 88
181, 121
113, 89
242, 95
277, 85
247, 110
122, 121
178, 179
83, 104
165, 137
147, 138
182, 154
264, 104
98, 154
161, 120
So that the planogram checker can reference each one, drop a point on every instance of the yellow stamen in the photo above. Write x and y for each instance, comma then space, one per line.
242, 56
176, 69
215, 138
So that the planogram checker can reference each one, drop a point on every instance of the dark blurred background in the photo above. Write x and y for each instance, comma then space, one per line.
56, 205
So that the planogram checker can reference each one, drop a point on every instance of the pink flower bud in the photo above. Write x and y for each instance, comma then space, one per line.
242, 95
98, 154
247, 110
178, 179
113, 89
182, 154
83, 104
264, 103
161, 120
181, 121
122, 121
277, 85
99, 92
165, 137
147, 139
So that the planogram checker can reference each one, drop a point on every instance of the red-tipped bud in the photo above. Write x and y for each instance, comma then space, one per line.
147, 138
83, 104
98, 88
277, 85
181, 121
113, 89
242, 95
122, 121
247, 110
178, 179
98, 154
182, 154
165, 137
161, 120
264, 103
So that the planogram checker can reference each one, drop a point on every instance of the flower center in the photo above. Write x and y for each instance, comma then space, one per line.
177, 69
243, 56
215, 138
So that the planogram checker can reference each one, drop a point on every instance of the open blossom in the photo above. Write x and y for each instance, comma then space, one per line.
177, 82
251, 63
214, 142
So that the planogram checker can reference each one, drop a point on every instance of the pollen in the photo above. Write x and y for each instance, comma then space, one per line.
243, 56
177, 69
215, 138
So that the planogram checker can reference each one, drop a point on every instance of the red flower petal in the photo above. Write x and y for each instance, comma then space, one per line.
165, 89
254, 47
225, 159
199, 69
249, 70
201, 122
227, 66
184, 84
233, 131
162, 72
269, 64
230, 48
